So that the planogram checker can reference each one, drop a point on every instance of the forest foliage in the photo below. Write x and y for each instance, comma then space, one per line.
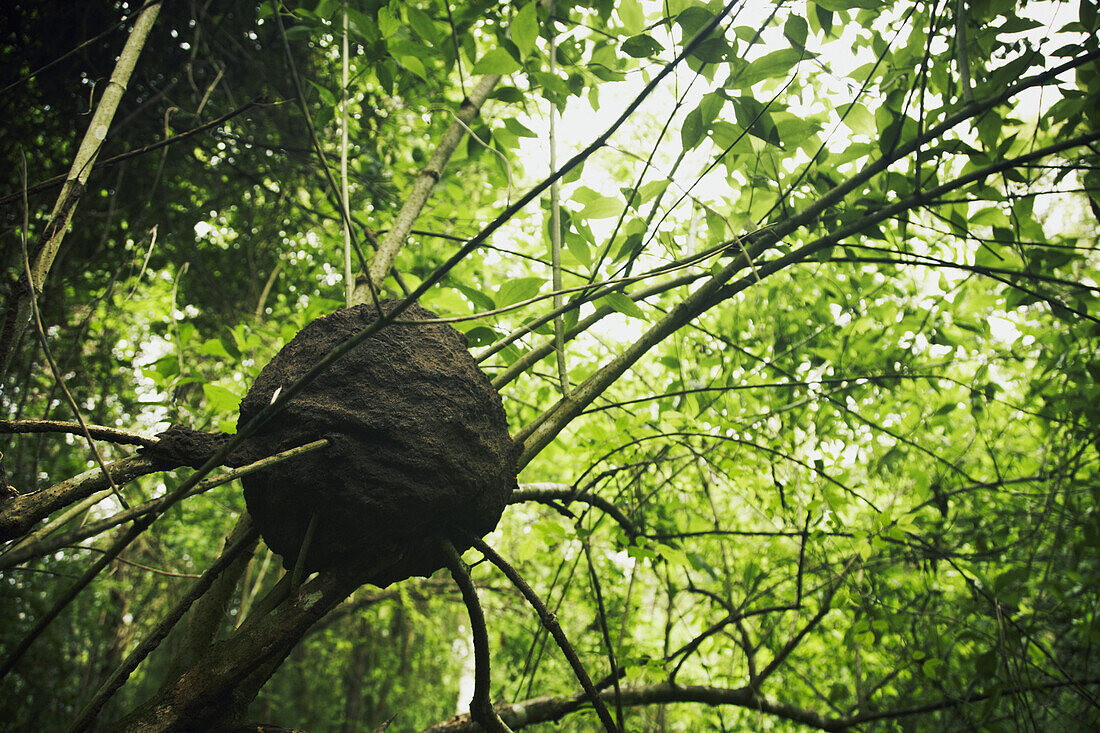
793, 307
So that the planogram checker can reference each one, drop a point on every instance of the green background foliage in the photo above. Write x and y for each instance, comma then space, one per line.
857, 488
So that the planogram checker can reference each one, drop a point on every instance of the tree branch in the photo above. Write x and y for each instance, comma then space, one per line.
18, 310
422, 187
243, 538
550, 623
45, 545
481, 707
99, 432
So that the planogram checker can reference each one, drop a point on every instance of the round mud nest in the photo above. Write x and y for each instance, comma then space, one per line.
418, 450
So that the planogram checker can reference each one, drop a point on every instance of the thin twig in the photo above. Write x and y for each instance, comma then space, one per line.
73, 590
962, 55
555, 222
454, 40
334, 189
36, 318
549, 492
349, 281
601, 617
303, 552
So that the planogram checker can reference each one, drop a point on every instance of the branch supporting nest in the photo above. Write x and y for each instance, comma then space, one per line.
481, 707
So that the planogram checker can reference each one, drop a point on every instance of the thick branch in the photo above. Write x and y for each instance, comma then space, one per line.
394, 239
18, 310
481, 707
567, 493
99, 432
45, 545
554, 708
213, 690
18, 515
210, 609
242, 540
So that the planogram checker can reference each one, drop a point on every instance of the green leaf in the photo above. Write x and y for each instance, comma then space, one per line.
691, 134
824, 18
630, 13
362, 26
650, 191
422, 24
842, 5
623, 305
641, 46
413, 64
448, 301
481, 336
596, 205
579, 249
630, 245
497, 61
692, 20
388, 25
214, 347
932, 667
220, 399
753, 116
508, 95
326, 96
712, 51
796, 29
716, 225
513, 291
525, 28
517, 128
859, 120
475, 296
602, 208
776, 64
326, 8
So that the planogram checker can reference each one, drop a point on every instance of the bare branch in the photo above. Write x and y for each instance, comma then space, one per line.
481, 707
550, 622
99, 432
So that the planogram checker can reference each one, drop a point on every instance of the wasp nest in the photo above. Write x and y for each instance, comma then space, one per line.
418, 450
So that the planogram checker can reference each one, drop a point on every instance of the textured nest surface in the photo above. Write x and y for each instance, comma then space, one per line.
419, 448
